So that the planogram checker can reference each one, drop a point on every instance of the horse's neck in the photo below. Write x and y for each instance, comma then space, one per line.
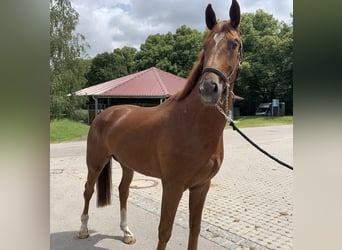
206, 118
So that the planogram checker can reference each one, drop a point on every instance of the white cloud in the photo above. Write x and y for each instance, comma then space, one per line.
280, 9
110, 24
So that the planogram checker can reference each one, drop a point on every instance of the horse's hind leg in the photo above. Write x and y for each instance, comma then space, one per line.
127, 176
88, 192
104, 171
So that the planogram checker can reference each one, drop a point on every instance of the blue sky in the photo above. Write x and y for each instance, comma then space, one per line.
116, 23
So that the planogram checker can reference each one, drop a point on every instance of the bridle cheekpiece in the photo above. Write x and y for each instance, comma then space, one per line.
227, 113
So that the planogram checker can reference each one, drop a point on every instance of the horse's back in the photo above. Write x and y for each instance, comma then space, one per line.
114, 121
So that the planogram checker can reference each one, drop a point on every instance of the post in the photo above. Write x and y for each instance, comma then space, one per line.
96, 105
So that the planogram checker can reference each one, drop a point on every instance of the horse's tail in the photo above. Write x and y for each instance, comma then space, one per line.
104, 186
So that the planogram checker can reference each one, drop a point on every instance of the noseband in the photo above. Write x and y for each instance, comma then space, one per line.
227, 80
217, 72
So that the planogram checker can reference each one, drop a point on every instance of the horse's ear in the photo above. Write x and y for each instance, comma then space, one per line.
234, 14
210, 17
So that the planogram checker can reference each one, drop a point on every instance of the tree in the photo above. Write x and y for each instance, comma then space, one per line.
102, 69
108, 66
187, 45
66, 67
175, 53
285, 88
155, 52
267, 62
128, 54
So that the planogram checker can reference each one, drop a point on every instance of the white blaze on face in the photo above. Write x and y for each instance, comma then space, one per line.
218, 37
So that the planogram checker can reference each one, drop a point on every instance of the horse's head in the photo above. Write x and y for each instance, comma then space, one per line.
222, 51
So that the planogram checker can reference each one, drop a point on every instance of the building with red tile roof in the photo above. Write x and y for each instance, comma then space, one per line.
149, 83
149, 87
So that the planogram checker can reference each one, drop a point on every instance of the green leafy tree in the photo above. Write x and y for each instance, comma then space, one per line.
188, 43
66, 67
102, 69
128, 54
267, 62
155, 52
108, 66
285, 87
175, 53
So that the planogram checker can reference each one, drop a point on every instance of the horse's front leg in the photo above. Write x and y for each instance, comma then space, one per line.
172, 193
196, 203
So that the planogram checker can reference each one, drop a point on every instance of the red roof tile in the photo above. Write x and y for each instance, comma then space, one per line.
151, 82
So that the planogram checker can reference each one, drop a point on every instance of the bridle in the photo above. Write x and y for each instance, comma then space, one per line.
226, 112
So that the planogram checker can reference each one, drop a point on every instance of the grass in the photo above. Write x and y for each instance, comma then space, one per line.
261, 121
67, 130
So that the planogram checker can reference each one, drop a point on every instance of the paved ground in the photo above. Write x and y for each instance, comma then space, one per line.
249, 206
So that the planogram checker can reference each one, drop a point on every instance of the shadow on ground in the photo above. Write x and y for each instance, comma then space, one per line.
69, 240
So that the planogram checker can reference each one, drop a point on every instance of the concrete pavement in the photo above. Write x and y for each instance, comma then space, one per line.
249, 205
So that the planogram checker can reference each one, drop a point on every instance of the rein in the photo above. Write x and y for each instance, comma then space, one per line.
228, 117
232, 123
228, 113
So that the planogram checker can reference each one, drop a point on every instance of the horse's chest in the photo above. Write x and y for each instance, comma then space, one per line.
202, 173
213, 165
202, 167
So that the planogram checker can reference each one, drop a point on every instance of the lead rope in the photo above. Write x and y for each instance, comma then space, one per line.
232, 123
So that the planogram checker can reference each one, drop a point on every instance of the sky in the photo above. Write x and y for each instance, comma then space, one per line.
111, 24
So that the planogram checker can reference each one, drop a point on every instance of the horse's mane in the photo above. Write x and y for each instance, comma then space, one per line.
192, 79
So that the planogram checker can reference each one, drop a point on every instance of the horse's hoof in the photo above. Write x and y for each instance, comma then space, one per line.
83, 235
129, 239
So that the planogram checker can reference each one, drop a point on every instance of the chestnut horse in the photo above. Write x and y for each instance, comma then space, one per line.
179, 141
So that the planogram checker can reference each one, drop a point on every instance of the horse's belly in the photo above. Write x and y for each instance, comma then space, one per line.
140, 163
136, 152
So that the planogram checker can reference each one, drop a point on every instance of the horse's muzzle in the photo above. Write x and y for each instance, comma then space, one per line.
210, 92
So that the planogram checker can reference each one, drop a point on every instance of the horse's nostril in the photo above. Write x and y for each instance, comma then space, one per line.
215, 87
208, 88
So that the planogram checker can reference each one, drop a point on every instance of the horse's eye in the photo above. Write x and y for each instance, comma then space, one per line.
233, 45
